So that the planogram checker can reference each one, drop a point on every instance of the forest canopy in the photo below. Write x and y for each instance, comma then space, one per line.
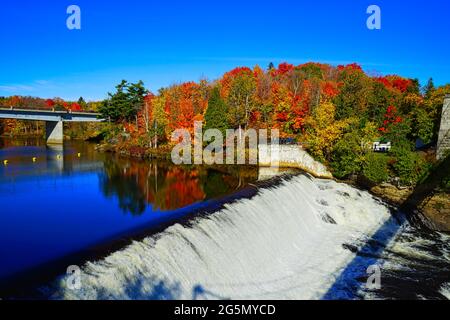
336, 112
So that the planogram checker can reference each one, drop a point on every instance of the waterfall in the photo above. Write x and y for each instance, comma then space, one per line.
287, 242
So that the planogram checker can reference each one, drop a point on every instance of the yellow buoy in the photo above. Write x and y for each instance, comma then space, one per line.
34, 159
79, 155
5, 162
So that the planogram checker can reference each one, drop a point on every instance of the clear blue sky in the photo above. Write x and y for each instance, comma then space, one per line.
164, 42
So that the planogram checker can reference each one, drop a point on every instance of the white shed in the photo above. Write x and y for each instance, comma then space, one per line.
382, 146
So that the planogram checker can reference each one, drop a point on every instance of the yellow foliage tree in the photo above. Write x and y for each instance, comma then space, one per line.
323, 130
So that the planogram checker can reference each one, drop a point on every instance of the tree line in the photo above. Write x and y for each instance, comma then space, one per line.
336, 112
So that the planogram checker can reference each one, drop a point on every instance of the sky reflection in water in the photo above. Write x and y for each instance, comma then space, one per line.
63, 203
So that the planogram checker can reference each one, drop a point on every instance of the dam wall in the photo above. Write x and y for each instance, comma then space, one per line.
291, 156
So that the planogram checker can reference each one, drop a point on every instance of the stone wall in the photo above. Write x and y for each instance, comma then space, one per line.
444, 133
291, 156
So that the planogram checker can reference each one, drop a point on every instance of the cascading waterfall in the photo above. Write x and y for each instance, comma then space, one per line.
416, 265
297, 240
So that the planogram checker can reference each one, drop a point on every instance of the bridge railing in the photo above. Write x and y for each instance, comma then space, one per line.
56, 110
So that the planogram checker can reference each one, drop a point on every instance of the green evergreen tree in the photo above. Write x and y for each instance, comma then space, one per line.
125, 103
415, 87
82, 103
429, 88
136, 94
216, 113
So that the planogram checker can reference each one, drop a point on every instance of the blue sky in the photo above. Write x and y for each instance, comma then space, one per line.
164, 42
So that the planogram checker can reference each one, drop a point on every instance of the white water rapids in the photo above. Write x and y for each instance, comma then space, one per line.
287, 242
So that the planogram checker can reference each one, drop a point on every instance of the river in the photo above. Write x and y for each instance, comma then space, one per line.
151, 230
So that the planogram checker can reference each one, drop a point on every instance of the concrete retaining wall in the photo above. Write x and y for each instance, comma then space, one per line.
291, 156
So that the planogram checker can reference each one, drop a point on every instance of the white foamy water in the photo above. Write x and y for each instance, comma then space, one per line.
415, 265
284, 243
445, 290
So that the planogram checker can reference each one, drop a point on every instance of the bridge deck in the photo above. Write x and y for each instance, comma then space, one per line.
49, 115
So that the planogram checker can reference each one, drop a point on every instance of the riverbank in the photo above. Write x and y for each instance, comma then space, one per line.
23, 136
135, 152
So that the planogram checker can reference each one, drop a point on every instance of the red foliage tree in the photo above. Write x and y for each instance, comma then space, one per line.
75, 107
50, 103
395, 82
350, 67
391, 118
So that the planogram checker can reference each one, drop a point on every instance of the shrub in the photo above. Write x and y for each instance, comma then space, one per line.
345, 160
376, 167
445, 186
408, 165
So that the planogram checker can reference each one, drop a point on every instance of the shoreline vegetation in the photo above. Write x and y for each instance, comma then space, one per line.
336, 113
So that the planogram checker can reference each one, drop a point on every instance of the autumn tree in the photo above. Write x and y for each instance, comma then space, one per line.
434, 105
74, 106
323, 130
378, 99
147, 111
159, 121
185, 104
422, 125
353, 92
239, 87
264, 106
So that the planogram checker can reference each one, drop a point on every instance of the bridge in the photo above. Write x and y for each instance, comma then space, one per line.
53, 119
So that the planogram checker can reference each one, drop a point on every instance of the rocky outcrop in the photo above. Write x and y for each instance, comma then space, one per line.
391, 193
435, 208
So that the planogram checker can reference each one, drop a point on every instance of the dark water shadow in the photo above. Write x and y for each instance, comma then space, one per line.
354, 277
136, 290
153, 289
200, 292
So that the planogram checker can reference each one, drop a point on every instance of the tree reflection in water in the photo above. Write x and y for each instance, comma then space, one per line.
165, 187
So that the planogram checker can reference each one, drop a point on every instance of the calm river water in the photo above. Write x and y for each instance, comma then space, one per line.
59, 200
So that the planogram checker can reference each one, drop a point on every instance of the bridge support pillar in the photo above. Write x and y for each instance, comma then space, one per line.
54, 132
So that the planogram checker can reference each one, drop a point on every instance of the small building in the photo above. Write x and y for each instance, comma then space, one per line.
382, 146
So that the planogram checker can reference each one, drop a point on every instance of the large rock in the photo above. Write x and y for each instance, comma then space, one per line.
435, 208
391, 193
